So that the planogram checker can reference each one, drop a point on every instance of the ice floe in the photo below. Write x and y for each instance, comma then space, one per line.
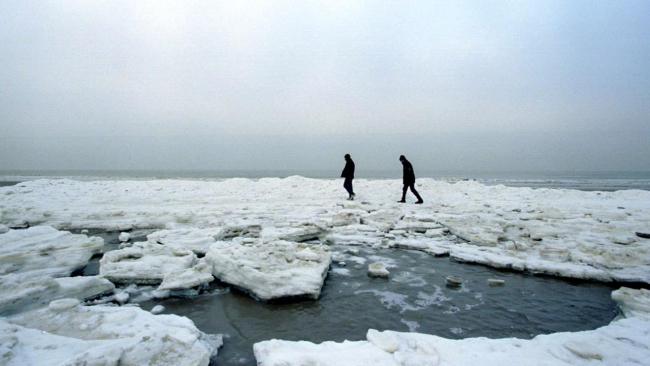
270, 269
66, 333
124, 237
196, 240
377, 269
189, 278
45, 251
145, 263
622, 342
22, 293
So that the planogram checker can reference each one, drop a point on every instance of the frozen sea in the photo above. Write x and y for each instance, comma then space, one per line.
564, 255
584, 181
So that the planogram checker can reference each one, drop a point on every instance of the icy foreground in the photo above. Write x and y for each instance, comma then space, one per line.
66, 333
588, 235
622, 342
271, 269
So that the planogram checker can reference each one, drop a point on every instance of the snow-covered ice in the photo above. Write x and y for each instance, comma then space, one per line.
45, 251
185, 279
622, 342
145, 263
377, 269
296, 233
250, 229
270, 268
157, 309
22, 293
66, 333
589, 235
196, 240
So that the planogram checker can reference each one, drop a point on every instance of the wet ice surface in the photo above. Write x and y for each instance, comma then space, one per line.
414, 298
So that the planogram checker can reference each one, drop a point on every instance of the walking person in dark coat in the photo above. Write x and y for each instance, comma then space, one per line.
348, 174
408, 180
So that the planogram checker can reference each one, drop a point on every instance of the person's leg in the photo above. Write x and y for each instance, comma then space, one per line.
351, 189
404, 193
347, 184
415, 193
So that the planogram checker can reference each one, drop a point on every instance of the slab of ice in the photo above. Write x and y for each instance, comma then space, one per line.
246, 229
196, 240
158, 309
145, 263
45, 251
66, 333
22, 293
622, 342
348, 217
382, 220
271, 269
417, 223
124, 237
185, 279
294, 233
377, 270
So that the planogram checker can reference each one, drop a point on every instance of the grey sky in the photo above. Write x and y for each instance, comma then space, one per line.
504, 85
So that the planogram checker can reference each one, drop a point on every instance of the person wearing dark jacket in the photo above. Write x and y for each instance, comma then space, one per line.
348, 174
408, 180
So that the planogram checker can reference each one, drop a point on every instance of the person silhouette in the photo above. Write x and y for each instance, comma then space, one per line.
409, 181
348, 174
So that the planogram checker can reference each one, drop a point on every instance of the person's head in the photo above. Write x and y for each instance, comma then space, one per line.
347, 157
402, 158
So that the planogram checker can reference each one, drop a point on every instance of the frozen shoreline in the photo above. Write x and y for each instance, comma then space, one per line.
587, 235
566, 233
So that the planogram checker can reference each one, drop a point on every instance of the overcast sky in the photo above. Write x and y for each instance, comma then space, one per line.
470, 85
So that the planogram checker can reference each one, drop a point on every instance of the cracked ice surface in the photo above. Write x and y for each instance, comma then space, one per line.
622, 342
66, 333
568, 233
272, 268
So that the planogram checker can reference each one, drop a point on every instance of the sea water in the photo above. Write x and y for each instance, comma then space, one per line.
415, 298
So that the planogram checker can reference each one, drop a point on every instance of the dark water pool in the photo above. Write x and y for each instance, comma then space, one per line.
414, 298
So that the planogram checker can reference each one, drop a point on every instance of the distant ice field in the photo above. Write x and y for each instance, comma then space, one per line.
584, 181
